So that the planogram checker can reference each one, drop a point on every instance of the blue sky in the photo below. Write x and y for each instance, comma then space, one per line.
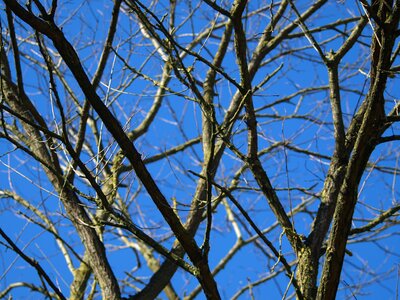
85, 25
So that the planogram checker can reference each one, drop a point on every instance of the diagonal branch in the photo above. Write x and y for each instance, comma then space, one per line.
33, 263
72, 60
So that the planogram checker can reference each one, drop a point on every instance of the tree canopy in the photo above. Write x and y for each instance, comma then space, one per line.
190, 149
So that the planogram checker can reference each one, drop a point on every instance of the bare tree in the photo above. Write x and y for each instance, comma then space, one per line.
231, 148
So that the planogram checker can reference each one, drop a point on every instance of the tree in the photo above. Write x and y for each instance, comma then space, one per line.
234, 145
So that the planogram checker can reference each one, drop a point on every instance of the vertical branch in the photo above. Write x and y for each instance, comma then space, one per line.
252, 157
108, 43
308, 263
16, 55
370, 130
